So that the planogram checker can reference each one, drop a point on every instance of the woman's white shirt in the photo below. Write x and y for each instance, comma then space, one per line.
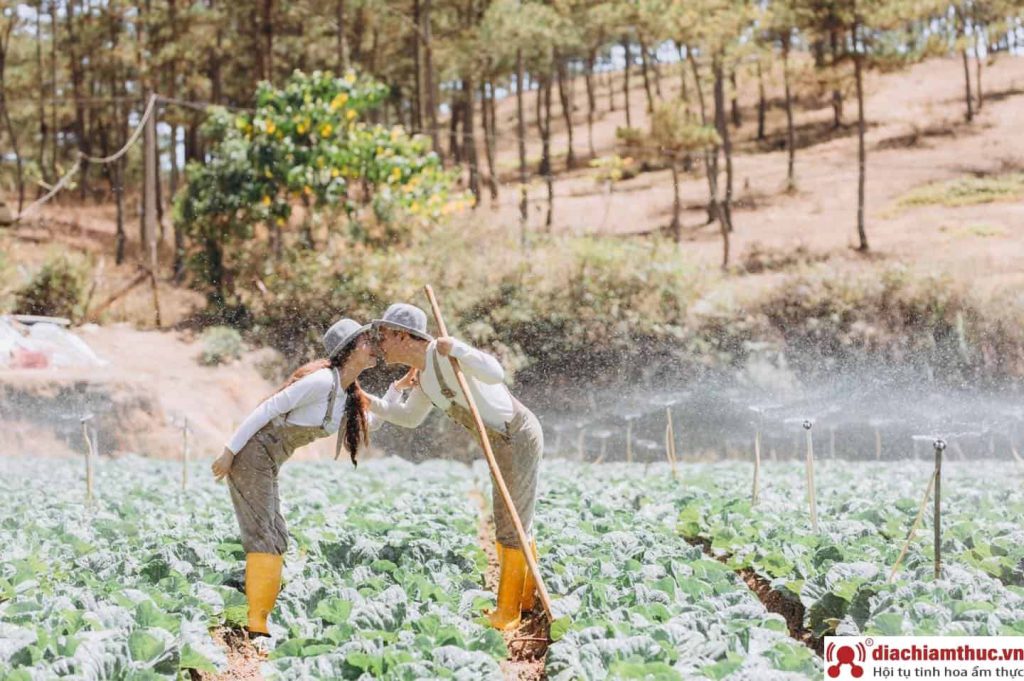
483, 374
305, 404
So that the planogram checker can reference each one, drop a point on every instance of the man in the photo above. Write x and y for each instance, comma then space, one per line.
514, 432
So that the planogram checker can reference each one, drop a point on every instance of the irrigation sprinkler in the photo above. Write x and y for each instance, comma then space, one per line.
89, 453
878, 444
579, 444
757, 467
832, 443
939, 445
629, 439
810, 476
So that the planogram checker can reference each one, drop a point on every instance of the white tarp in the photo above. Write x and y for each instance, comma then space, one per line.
42, 345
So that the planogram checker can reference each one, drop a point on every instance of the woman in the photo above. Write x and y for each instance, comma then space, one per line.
514, 432
320, 398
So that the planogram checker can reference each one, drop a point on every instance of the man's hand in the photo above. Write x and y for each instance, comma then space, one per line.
221, 466
445, 345
409, 381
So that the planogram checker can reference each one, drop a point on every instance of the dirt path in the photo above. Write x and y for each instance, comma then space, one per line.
243, 658
528, 644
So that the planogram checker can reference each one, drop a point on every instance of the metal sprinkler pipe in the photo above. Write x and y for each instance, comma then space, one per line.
810, 477
940, 446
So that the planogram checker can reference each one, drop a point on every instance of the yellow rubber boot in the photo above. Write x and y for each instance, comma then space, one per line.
529, 598
262, 584
510, 590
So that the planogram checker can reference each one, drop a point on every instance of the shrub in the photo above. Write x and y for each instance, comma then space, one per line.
220, 344
56, 290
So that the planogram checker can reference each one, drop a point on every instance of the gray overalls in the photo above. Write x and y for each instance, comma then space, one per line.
517, 449
253, 478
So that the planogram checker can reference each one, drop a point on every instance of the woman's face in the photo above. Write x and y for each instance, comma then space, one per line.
364, 355
388, 340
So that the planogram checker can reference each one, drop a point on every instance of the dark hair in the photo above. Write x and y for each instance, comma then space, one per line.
353, 419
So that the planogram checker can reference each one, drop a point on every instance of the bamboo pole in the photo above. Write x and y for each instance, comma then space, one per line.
499, 480
940, 445
878, 444
88, 458
670, 442
184, 456
913, 528
810, 478
757, 467
629, 441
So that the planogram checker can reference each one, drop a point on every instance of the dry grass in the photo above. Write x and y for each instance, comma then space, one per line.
966, 191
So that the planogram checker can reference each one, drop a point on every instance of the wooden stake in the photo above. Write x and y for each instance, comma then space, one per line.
757, 468
670, 442
810, 478
878, 444
939, 446
499, 480
88, 459
913, 528
629, 441
184, 456
579, 445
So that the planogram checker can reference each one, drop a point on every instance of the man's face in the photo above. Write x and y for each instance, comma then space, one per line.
388, 341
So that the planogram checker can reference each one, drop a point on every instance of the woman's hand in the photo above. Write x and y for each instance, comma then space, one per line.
445, 345
409, 381
221, 466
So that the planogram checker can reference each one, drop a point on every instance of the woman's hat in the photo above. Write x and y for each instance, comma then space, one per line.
341, 334
405, 317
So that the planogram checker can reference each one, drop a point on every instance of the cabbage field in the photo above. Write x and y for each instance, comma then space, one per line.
652, 576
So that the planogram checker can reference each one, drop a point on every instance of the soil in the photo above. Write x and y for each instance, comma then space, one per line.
244, 659
528, 643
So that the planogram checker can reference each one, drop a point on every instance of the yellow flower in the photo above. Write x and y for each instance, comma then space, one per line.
350, 114
326, 129
339, 101
270, 127
334, 172
307, 190
394, 134
415, 206
319, 161
301, 128
396, 174
350, 77
280, 222
266, 200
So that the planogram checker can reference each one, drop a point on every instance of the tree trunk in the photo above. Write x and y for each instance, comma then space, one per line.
417, 63
53, 88
76, 88
837, 93
710, 155
676, 226
647, 80
591, 103
861, 150
544, 127
790, 132
979, 42
454, 148
967, 68
214, 61
428, 78
725, 214
490, 121
468, 141
5, 43
683, 91
342, 42
565, 99
656, 70
625, 84
737, 120
610, 81
41, 110
762, 102
267, 30
521, 144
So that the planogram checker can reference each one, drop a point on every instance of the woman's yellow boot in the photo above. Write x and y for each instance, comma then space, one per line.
510, 590
262, 584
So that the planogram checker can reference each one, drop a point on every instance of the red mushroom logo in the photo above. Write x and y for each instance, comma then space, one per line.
845, 655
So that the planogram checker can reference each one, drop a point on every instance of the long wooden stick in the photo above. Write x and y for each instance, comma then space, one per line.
524, 540
913, 528
88, 458
811, 501
670, 444
757, 468
939, 445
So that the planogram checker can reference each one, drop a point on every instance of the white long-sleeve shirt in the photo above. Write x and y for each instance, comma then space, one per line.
483, 374
305, 404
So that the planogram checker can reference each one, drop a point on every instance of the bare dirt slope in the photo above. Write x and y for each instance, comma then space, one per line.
917, 135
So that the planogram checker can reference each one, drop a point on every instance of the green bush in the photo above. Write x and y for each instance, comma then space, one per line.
56, 290
220, 344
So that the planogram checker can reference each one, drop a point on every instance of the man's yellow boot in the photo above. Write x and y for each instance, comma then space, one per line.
530, 584
262, 584
510, 590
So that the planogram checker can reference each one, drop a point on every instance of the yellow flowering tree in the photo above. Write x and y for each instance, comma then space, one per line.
306, 143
